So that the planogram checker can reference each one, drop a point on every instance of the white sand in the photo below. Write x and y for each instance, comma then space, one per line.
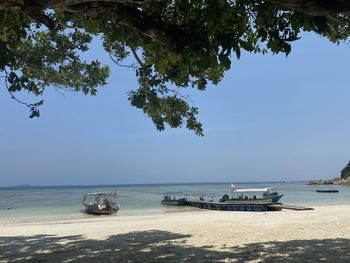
321, 235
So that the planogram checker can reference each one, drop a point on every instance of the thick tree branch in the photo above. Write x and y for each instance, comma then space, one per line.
139, 22
311, 7
127, 16
128, 13
316, 7
122, 14
65, 3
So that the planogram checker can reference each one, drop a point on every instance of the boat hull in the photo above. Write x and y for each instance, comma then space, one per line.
276, 198
327, 191
96, 209
248, 201
177, 202
248, 207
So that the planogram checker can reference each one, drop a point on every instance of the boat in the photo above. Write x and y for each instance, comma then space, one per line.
327, 191
270, 192
240, 200
101, 203
205, 201
252, 196
176, 199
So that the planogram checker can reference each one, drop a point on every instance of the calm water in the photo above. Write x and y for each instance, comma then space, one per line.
66, 202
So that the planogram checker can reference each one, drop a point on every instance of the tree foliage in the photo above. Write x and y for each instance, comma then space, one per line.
176, 43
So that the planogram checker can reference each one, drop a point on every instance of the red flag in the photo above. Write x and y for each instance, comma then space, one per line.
233, 188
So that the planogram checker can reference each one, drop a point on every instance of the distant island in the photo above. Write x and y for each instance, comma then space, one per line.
19, 186
23, 185
343, 180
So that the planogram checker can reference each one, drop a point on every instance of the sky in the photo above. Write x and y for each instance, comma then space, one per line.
271, 118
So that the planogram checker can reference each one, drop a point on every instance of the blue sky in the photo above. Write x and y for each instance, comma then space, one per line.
270, 119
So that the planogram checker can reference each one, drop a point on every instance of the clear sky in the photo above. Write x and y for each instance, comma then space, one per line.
270, 119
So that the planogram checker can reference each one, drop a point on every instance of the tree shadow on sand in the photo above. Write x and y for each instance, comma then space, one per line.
162, 246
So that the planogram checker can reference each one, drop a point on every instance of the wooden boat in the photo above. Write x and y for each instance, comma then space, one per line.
101, 203
327, 191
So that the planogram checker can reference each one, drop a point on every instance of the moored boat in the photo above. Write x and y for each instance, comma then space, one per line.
173, 199
101, 203
327, 191
251, 196
265, 199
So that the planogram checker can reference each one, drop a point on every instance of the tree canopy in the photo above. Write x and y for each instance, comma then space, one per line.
176, 44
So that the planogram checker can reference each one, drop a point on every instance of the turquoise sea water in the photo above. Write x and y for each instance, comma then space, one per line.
64, 202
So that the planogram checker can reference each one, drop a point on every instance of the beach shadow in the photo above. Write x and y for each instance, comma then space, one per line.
163, 246
311, 251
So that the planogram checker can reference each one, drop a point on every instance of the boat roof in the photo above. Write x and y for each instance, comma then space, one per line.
194, 194
102, 193
253, 190
173, 193
242, 190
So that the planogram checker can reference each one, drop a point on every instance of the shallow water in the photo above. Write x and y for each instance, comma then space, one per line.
65, 202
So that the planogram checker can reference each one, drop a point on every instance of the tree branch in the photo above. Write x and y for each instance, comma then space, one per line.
13, 96
136, 56
138, 21
66, 3
123, 13
315, 7
121, 65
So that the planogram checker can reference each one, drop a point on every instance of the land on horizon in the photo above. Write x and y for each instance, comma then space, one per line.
144, 184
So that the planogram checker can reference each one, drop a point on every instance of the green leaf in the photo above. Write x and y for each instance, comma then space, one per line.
248, 46
238, 52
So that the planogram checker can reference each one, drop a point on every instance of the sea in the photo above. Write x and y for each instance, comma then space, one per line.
37, 203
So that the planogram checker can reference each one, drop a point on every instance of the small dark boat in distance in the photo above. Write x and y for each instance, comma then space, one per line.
327, 191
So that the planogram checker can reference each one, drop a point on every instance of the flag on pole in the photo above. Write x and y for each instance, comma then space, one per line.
233, 188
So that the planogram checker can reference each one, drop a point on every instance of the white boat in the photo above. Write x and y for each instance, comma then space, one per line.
251, 196
101, 203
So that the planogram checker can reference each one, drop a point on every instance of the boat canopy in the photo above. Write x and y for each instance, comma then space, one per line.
174, 193
253, 190
101, 193
194, 194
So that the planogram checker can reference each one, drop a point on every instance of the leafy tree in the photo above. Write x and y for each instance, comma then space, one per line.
176, 43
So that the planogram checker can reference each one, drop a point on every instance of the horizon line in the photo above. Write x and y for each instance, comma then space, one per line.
142, 184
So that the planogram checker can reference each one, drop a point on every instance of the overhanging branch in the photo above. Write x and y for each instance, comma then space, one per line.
315, 7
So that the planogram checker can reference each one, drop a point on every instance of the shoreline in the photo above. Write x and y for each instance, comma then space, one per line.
82, 216
196, 236
67, 219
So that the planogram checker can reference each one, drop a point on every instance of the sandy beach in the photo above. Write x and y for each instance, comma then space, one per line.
320, 235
